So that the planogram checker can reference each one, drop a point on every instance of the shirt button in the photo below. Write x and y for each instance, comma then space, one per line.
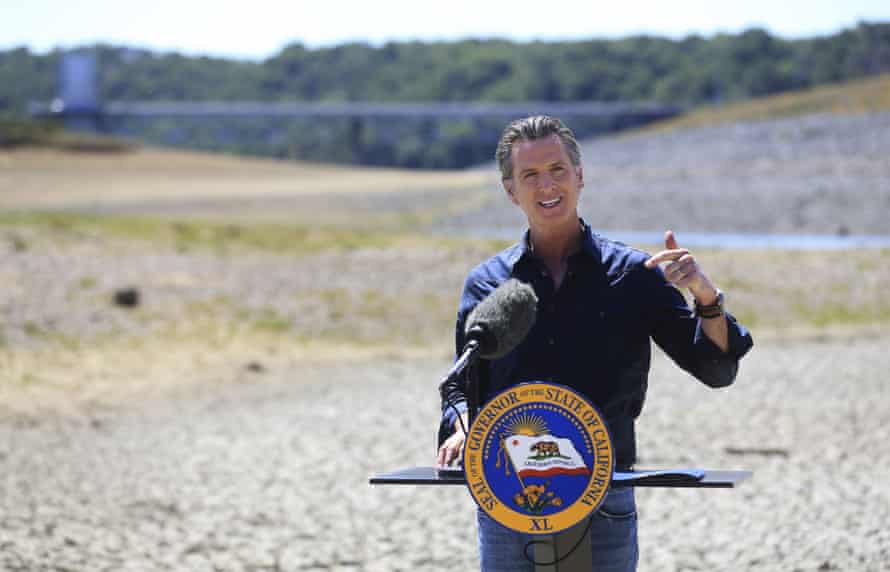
550, 341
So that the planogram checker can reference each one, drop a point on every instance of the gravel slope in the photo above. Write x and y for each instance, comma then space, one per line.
819, 174
269, 472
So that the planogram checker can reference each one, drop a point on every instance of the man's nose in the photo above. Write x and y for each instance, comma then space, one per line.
545, 181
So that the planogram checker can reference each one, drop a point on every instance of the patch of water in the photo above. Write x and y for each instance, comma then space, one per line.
759, 241
738, 241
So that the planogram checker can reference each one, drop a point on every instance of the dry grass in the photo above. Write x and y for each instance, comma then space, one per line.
49, 134
358, 304
360, 288
803, 292
25, 229
112, 372
350, 311
861, 96
37, 178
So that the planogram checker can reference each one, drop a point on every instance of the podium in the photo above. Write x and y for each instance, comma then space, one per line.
673, 478
569, 542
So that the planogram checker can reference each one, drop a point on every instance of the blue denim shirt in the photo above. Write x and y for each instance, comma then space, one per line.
593, 333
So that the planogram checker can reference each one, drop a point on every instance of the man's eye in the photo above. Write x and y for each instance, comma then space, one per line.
528, 176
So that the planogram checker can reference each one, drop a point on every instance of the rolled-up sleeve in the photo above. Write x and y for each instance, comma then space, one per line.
679, 333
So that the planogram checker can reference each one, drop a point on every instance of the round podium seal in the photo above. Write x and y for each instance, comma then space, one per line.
538, 458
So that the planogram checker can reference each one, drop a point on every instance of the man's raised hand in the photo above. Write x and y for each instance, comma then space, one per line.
682, 270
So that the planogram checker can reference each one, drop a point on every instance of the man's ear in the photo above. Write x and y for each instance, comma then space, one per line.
580, 172
508, 187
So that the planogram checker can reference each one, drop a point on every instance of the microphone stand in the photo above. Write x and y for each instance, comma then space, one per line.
477, 385
451, 381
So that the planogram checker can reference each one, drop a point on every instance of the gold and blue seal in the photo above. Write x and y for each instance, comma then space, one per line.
538, 458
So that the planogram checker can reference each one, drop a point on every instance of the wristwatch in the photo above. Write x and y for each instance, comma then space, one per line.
714, 310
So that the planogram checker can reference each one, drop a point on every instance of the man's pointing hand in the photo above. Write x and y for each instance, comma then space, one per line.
683, 271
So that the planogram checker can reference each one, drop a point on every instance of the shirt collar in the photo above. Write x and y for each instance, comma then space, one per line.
525, 248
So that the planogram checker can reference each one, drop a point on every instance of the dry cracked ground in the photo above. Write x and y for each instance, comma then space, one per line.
266, 468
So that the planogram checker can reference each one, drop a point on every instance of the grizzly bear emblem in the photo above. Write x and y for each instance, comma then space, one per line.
545, 449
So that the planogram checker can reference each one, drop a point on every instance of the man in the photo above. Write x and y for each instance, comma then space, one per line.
599, 303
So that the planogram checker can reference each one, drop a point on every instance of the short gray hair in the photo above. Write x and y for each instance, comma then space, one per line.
530, 129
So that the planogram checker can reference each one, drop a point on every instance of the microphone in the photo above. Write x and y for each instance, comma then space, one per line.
501, 321
496, 325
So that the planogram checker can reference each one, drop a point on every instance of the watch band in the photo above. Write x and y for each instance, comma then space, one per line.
709, 311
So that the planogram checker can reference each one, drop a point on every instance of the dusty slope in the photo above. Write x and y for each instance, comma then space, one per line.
814, 174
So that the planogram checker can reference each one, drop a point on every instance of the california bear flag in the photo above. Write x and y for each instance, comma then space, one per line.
544, 456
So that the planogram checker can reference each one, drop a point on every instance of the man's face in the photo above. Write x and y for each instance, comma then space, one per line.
545, 184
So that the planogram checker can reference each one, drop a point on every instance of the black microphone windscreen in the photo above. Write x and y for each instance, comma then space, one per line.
503, 319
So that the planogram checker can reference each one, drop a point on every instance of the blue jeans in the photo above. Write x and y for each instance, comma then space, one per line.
613, 539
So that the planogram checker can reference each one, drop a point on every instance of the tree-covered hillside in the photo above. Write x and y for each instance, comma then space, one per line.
690, 71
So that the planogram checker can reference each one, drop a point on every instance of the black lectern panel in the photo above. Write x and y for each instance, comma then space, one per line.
420, 476
675, 478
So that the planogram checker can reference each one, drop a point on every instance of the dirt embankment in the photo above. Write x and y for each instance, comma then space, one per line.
820, 174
